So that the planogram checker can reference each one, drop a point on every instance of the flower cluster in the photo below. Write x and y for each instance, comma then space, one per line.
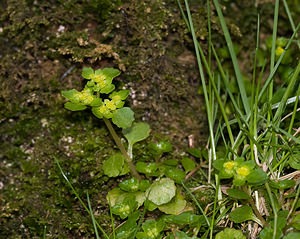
101, 79
108, 107
238, 169
99, 82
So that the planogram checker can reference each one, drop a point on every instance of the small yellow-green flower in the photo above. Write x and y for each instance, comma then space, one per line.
243, 171
85, 97
101, 79
124, 209
279, 50
153, 233
110, 104
229, 167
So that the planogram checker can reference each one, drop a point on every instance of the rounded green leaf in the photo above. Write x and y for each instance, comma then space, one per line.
159, 148
294, 161
69, 94
96, 102
148, 169
188, 164
162, 191
185, 218
152, 229
292, 235
230, 233
218, 164
107, 89
127, 207
282, 184
122, 93
123, 117
130, 185
144, 185
175, 173
195, 152
237, 194
175, 206
241, 214
112, 166
74, 106
113, 195
170, 162
137, 132
96, 112
257, 176
87, 73
110, 73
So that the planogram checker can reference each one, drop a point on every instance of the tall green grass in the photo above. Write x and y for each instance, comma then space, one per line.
259, 123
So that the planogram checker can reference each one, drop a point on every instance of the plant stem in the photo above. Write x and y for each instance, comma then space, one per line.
122, 149
274, 210
257, 213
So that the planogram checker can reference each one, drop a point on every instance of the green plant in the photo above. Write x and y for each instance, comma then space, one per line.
94, 95
254, 147
250, 152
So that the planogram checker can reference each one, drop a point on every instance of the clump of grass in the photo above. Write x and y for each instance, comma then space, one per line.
256, 132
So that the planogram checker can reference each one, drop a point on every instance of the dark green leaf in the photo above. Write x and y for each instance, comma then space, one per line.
257, 176
185, 218
123, 117
128, 228
112, 167
170, 162
188, 164
148, 169
144, 185
157, 149
130, 185
195, 152
237, 194
282, 184
180, 235
230, 233
241, 214
175, 173
292, 235
294, 161
74, 106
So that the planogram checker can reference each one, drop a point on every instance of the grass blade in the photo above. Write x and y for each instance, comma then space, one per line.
233, 58
77, 195
92, 216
